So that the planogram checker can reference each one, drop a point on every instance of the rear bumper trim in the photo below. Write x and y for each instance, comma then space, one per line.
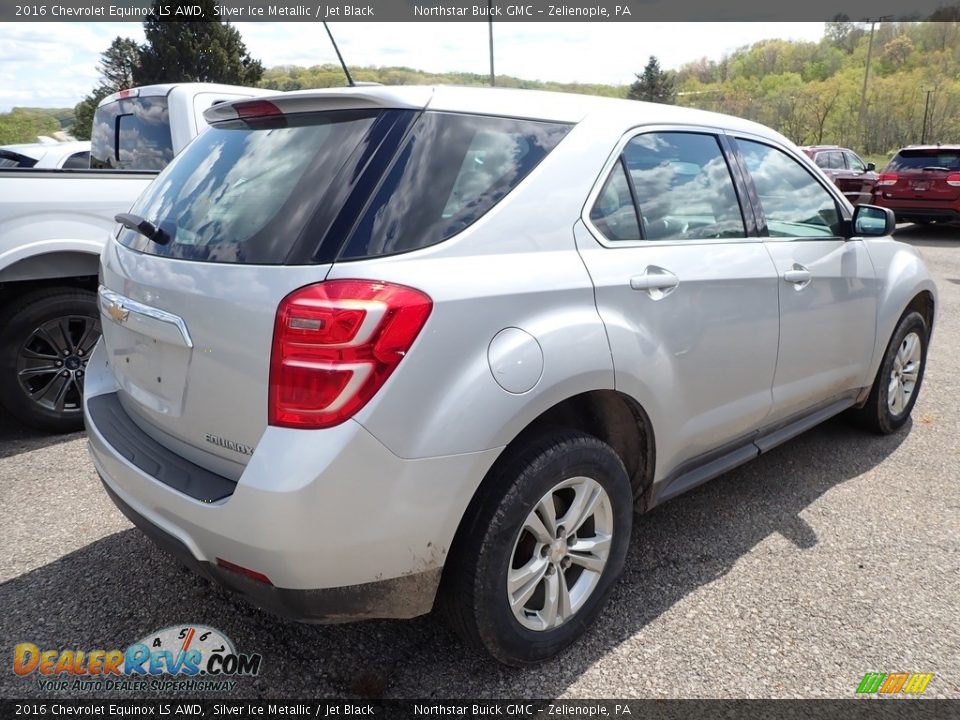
107, 414
406, 596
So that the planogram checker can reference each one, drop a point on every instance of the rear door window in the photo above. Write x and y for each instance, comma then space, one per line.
613, 212
243, 192
132, 134
683, 187
80, 160
450, 171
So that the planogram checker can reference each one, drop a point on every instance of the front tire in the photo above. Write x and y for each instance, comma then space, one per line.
46, 337
897, 385
548, 539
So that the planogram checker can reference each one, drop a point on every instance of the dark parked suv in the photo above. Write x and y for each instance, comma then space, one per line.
854, 177
922, 184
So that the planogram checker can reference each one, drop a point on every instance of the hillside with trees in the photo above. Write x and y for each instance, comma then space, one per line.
811, 92
23, 124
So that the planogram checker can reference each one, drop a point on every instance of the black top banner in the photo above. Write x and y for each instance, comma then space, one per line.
481, 10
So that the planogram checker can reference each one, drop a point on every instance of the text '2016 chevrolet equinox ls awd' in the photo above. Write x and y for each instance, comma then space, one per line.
370, 350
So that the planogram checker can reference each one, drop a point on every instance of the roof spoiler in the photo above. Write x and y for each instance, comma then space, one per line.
350, 98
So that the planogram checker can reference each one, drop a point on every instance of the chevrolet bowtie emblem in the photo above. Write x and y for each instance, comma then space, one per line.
117, 312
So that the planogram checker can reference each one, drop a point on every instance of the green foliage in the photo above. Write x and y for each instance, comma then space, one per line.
206, 50
84, 110
810, 91
654, 84
117, 65
23, 125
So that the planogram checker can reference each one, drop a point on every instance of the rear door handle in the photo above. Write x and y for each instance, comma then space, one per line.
798, 275
658, 282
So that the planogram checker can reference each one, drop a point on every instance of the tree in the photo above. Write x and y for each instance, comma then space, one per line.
843, 33
654, 84
117, 65
202, 50
84, 110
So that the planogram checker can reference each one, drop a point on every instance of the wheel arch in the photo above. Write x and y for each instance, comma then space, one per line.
52, 265
608, 415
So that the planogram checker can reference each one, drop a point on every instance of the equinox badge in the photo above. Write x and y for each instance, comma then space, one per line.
229, 444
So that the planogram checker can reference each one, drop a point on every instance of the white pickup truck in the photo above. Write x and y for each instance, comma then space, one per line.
53, 224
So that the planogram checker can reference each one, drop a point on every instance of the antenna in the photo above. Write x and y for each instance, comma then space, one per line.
493, 78
346, 72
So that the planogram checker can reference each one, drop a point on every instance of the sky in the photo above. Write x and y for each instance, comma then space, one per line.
54, 64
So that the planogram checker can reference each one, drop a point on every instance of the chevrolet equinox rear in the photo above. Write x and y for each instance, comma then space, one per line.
375, 350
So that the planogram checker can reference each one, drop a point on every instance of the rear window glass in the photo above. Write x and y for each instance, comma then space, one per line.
451, 170
9, 159
243, 193
933, 158
132, 134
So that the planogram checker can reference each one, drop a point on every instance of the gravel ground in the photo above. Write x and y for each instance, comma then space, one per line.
792, 576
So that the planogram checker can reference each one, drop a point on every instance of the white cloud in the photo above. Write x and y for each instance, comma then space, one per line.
54, 64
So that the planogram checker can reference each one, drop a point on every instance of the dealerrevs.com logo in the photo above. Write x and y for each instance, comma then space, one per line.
180, 657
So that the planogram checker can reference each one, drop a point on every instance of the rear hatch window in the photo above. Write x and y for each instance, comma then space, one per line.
930, 159
316, 187
132, 134
924, 175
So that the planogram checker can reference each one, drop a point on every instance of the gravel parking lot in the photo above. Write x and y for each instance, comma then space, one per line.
832, 556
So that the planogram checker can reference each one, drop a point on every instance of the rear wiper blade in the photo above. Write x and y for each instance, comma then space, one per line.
937, 168
144, 227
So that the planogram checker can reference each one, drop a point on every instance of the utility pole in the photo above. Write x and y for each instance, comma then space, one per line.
866, 73
926, 111
493, 79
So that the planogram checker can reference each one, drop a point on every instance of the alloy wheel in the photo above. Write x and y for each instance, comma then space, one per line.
560, 553
52, 362
903, 376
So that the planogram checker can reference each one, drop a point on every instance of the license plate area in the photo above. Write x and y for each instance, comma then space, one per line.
920, 185
151, 372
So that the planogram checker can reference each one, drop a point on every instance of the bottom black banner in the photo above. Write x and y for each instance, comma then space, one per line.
335, 709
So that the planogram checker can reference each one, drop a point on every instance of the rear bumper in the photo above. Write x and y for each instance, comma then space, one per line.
406, 596
915, 212
343, 528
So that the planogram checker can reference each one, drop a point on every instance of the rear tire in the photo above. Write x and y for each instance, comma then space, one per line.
37, 331
897, 384
526, 595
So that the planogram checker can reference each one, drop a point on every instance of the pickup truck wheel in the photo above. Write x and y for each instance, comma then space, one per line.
547, 542
45, 339
898, 380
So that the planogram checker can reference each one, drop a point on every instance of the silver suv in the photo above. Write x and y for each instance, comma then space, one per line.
370, 350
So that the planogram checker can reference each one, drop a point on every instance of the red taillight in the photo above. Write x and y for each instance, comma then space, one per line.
335, 344
246, 572
255, 109
953, 179
887, 179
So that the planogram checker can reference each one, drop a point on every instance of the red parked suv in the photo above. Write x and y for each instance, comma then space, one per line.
922, 184
853, 176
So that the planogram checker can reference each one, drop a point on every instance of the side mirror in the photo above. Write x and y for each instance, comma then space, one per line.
873, 221
871, 167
